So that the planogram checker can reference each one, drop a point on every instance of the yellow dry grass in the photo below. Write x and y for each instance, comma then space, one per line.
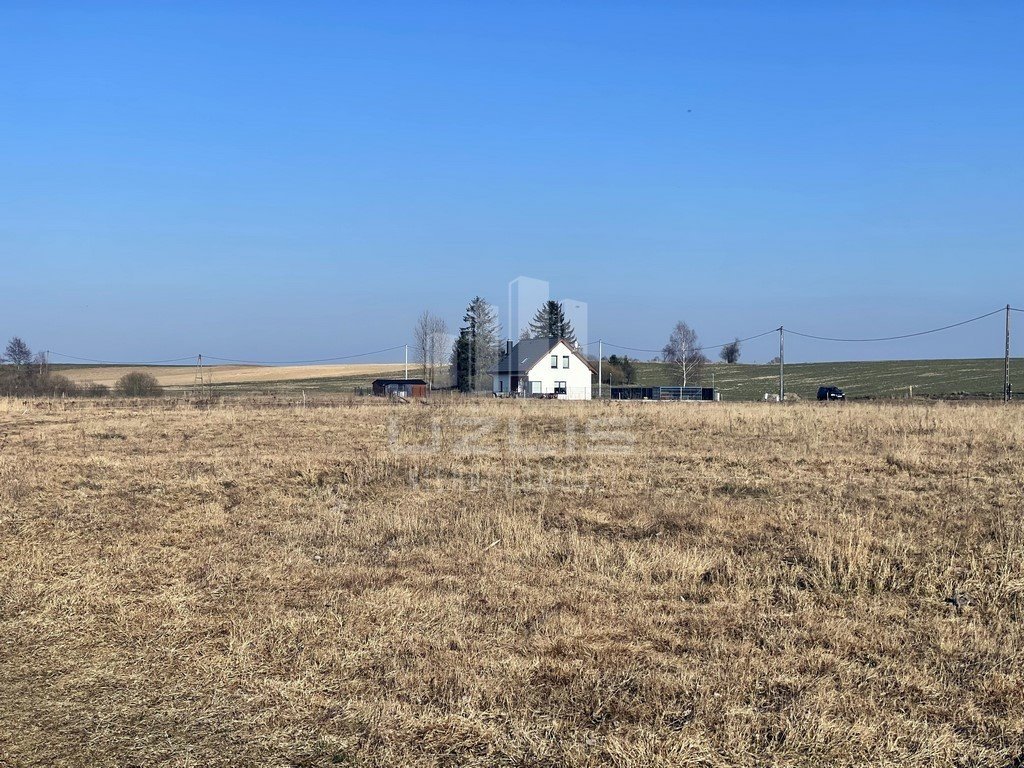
510, 584
183, 376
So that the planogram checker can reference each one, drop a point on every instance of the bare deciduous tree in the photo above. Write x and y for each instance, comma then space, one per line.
18, 352
731, 352
430, 338
683, 354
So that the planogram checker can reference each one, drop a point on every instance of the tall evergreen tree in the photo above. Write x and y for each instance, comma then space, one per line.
477, 347
550, 322
461, 358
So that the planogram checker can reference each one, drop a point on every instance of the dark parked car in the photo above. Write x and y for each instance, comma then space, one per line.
830, 393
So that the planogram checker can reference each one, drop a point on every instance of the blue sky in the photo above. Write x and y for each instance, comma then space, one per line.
291, 181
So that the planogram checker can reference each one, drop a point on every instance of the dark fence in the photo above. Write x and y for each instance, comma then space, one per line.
663, 393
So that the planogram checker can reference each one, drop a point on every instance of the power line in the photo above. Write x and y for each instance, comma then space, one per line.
631, 349
303, 362
749, 338
901, 336
696, 349
606, 343
192, 358
111, 362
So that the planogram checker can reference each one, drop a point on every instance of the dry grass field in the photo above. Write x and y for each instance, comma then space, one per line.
511, 584
184, 375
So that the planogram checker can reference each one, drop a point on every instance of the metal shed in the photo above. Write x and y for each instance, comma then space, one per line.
400, 387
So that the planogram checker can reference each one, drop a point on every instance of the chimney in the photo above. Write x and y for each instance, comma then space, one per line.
508, 347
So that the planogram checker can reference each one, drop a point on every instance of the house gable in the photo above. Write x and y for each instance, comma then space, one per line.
561, 350
527, 354
550, 367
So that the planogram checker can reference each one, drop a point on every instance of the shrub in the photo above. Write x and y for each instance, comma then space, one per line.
139, 384
56, 384
21, 381
96, 390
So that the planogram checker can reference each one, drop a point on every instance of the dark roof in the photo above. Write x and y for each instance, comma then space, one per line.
385, 382
528, 352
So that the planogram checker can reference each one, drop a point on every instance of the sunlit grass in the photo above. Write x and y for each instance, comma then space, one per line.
511, 583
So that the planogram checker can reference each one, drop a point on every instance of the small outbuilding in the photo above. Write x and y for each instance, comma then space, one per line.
400, 387
664, 393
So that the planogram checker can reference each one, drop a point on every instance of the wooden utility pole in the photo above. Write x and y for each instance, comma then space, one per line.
600, 354
1007, 392
782, 364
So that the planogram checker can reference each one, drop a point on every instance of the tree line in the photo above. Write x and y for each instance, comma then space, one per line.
464, 363
24, 372
684, 353
477, 347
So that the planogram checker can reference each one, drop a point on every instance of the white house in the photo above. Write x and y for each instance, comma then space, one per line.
543, 367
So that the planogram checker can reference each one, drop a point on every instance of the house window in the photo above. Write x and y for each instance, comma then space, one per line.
554, 361
560, 388
565, 361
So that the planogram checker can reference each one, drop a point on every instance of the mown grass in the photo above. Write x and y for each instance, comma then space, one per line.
511, 583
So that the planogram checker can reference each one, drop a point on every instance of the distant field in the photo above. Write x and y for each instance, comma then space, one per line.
247, 377
880, 379
863, 379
